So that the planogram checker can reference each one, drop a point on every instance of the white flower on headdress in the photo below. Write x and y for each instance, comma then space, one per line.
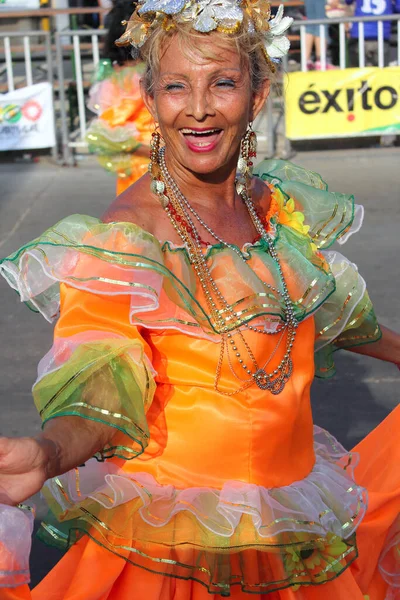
168, 7
276, 44
208, 15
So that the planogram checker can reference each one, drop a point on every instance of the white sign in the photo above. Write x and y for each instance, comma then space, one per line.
27, 118
19, 4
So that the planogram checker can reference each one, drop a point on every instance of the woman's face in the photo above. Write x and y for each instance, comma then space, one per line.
203, 106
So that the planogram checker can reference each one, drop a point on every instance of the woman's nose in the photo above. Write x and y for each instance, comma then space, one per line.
200, 104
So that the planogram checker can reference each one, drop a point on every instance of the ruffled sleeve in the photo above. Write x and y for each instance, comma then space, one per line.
16, 526
99, 367
304, 204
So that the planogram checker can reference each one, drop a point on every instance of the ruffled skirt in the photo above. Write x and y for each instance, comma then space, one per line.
91, 572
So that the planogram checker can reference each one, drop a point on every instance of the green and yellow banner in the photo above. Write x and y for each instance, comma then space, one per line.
342, 103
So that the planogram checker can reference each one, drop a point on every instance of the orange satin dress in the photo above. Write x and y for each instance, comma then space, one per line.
198, 511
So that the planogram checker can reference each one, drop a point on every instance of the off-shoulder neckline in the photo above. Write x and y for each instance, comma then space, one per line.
172, 247
209, 248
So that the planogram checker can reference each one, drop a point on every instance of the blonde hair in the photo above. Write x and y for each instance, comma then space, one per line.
248, 45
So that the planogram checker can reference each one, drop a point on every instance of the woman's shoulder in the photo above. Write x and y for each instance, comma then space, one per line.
139, 206
261, 196
134, 205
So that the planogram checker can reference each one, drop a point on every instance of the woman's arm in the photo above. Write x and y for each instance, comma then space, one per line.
65, 443
386, 348
70, 441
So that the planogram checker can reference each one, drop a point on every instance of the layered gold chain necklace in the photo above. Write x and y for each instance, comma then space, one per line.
224, 318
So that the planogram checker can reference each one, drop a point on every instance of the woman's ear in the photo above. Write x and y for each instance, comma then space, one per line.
259, 98
148, 99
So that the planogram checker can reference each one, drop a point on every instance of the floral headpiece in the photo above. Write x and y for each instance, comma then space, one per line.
226, 16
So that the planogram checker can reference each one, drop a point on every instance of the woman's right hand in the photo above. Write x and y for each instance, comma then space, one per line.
23, 468
65, 443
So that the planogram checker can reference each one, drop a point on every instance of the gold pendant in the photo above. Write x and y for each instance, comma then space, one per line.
262, 379
275, 386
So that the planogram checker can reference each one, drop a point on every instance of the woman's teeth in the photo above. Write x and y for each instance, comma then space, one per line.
203, 138
200, 133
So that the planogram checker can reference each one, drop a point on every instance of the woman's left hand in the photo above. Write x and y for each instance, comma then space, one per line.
386, 348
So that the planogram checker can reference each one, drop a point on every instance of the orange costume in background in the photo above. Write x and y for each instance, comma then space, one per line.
200, 492
123, 122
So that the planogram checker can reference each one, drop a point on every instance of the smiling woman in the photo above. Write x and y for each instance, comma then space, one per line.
179, 456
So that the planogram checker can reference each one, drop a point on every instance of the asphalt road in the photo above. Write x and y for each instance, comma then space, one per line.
35, 196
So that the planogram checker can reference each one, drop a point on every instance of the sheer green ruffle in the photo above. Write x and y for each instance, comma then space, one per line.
361, 328
105, 380
347, 317
329, 215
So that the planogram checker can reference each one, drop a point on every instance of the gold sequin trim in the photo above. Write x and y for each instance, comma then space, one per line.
340, 317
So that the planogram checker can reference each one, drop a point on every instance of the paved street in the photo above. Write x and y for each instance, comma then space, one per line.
35, 196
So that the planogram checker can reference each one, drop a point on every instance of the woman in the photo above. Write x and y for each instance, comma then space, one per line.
121, 134
183, 356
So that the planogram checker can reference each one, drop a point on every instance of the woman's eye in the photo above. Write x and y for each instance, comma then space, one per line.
226, 83
170, 87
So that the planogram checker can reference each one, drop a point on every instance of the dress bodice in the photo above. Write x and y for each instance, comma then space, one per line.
200, 437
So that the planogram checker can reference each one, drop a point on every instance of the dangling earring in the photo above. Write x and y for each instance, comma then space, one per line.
248, 152
157, 185
155, 141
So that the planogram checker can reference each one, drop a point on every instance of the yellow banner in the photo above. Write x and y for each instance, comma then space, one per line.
342, 103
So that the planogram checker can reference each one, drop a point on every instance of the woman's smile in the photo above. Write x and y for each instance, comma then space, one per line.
199, 139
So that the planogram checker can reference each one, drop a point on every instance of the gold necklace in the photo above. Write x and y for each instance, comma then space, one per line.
223, 317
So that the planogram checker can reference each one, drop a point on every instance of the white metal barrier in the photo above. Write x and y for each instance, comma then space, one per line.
25, 37
76, 139
343, 22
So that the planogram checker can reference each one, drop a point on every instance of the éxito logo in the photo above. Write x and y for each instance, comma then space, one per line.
344, 100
